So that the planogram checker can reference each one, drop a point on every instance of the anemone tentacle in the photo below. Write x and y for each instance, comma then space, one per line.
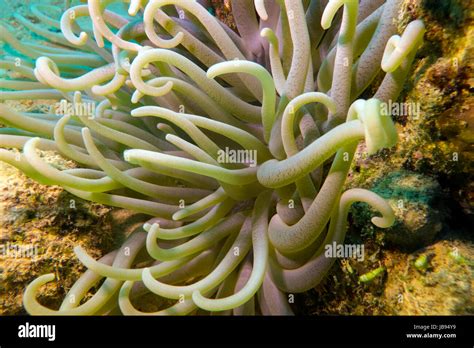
236, 144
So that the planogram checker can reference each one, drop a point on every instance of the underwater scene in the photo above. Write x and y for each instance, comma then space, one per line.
236, 157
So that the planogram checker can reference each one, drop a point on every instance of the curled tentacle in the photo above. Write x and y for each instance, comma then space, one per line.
398, 48
269, 97
102, 30
231, 260
310, 274
378, 130
124, 258
226, 99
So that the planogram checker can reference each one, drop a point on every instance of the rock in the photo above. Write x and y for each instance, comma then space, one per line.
417, 203
445, 288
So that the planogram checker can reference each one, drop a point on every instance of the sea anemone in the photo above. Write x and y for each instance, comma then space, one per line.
236, 143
